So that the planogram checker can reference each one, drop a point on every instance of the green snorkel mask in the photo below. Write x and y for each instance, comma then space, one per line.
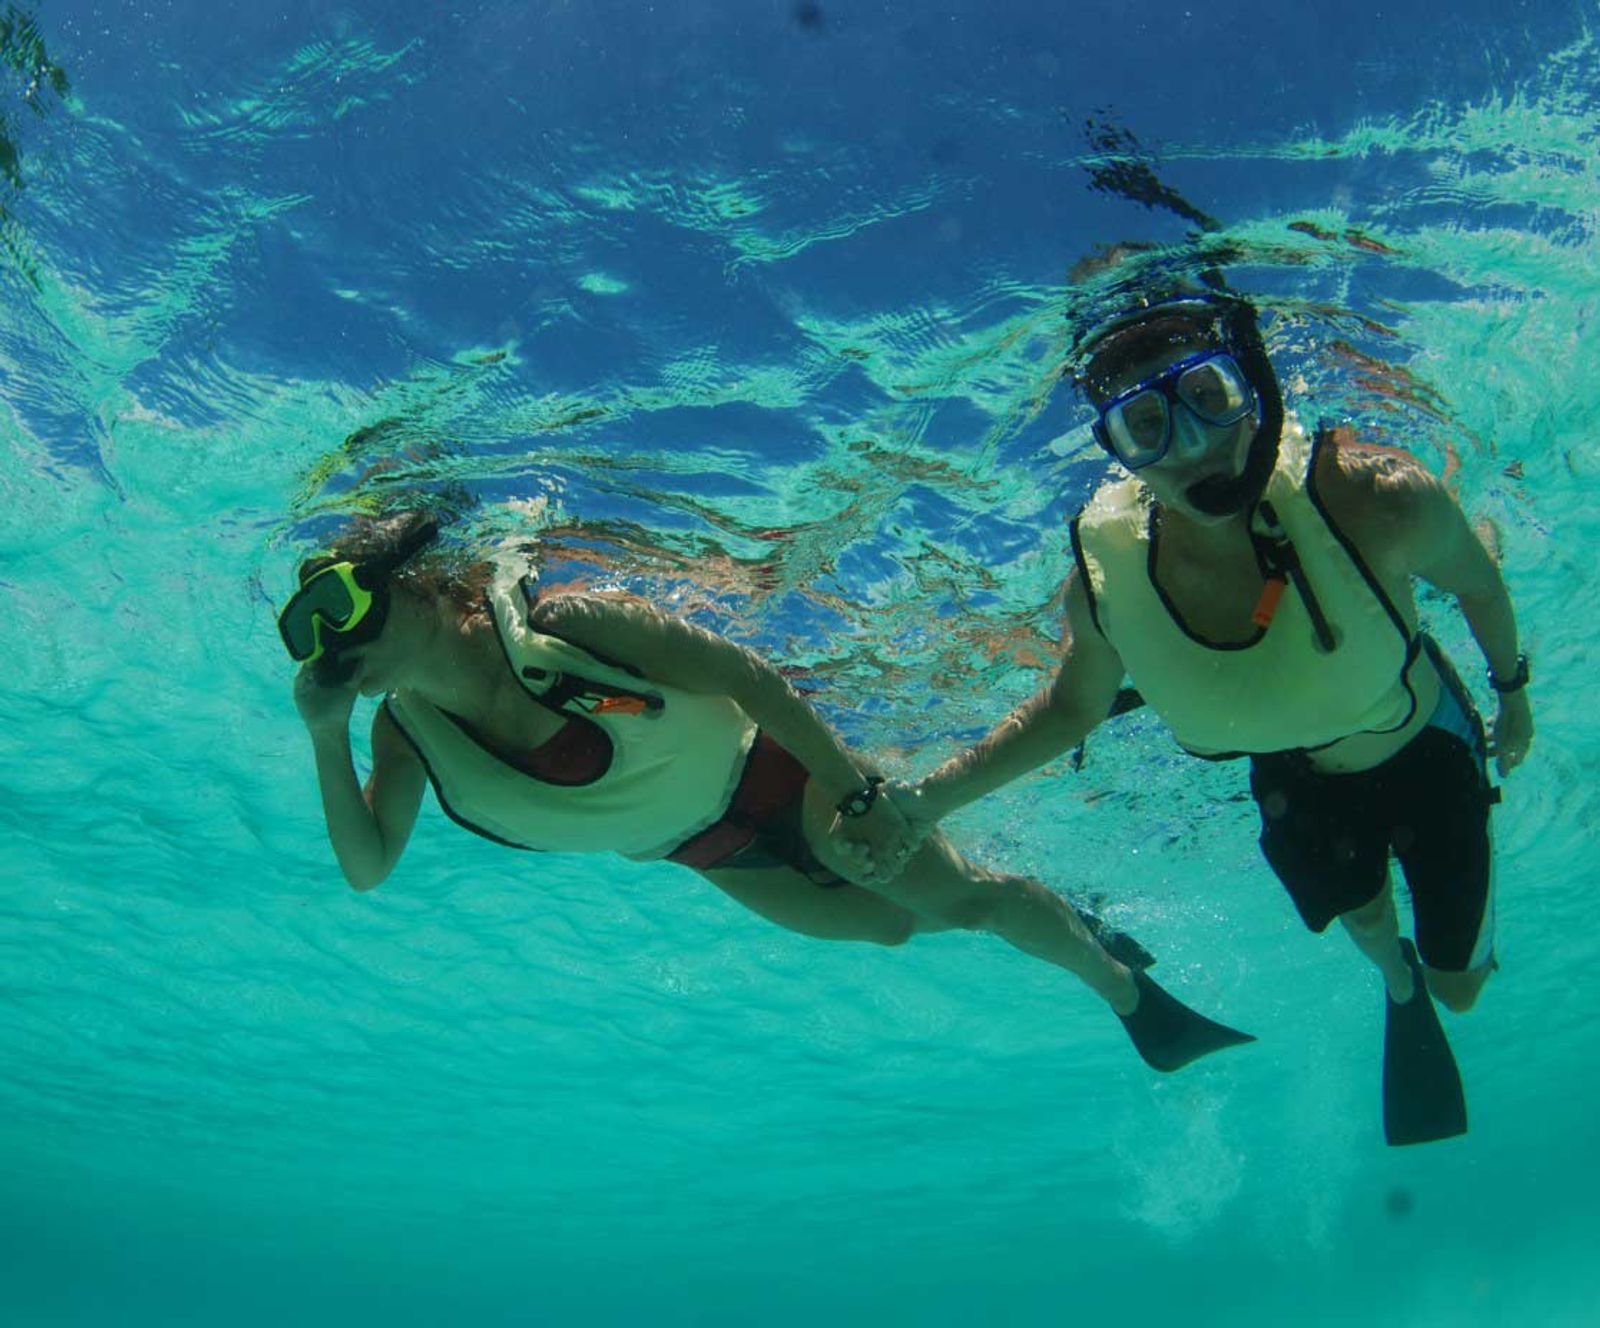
345, 604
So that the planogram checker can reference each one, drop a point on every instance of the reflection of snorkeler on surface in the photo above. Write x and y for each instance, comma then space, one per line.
1256, 586
582, 723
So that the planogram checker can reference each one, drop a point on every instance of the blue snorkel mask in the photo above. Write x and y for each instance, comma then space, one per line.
1136, 425
1226, 378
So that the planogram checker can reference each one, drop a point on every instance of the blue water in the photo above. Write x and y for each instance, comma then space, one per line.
755, 307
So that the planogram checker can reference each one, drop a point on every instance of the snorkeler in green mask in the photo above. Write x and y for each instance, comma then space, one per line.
588, 723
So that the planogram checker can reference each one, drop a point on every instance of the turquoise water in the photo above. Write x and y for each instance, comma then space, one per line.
756, 309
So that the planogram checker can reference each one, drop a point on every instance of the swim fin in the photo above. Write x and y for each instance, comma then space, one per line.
1168, 1034
1422, 1095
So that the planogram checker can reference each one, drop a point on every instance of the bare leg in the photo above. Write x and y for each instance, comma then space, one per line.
939, 889
1375, 929
939, 884
1458, 991
833, 913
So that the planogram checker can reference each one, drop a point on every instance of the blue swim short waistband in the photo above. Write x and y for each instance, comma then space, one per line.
1454, 714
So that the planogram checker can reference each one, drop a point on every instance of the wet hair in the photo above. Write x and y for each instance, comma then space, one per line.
1108, 357
435, 572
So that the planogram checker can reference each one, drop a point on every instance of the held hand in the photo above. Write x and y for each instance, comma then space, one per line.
884, 841
1513, 732
921, 819
876, 844
323, 706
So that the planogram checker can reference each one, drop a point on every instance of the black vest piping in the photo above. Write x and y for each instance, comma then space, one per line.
438, 788
1321, 439
1083, 573
1412, 640
1152, 536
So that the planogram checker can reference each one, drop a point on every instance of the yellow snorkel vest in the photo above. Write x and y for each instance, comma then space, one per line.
676, 756
1280, 690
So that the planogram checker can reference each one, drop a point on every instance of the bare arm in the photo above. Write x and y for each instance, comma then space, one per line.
1053, 720
369, 827
1396, 506
1444, 550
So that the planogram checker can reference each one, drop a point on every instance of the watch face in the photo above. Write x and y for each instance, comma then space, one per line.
860, 802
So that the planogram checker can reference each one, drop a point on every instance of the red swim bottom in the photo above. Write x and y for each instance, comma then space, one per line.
764, 824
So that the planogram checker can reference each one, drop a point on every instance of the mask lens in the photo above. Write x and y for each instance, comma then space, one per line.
1216, 390
325, 598
1138, 429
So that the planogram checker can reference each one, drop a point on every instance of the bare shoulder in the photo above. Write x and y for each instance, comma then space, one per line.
1376, 494
625, 629
1352, 471
562, 613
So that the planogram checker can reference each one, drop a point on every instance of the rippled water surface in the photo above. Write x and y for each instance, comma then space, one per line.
757, 308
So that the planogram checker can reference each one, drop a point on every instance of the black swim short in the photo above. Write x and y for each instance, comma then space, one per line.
764, 824
1329, 836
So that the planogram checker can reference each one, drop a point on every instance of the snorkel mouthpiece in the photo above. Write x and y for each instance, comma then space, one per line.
334, 669
1222, 495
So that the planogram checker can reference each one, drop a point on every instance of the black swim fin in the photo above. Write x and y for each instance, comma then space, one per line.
1168, 1034
1422, 1095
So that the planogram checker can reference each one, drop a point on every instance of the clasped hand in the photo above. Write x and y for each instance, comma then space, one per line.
879, 844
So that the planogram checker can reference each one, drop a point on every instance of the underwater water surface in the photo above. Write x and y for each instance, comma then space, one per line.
759, 309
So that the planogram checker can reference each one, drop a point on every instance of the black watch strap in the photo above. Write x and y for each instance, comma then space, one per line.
860, 802
1516, 682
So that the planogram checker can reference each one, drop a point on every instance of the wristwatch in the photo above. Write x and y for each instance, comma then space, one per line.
1515, 683
860, 802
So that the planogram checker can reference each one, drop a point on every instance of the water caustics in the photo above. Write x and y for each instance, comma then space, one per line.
727, 315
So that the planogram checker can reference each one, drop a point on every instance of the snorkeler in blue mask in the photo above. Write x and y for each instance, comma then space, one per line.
1256, 583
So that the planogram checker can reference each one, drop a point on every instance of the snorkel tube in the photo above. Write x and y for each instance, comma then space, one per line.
1231, 323
1224, 497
